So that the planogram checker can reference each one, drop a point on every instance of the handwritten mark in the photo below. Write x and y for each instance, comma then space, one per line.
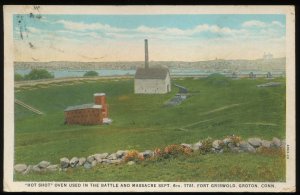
33, 16
31, 45
21, 34
36, 7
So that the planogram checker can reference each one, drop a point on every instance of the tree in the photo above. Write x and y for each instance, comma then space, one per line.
90, 74
18, 77
36, 74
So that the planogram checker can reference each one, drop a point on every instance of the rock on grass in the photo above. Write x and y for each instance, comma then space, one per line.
52, 168
276, 142
87, 165
64, 162
255, 142
81, 161
74, 161
20, 168
246, 147
266, 143
43, 164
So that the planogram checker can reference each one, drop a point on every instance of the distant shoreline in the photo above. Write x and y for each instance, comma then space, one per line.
211, 65
66, 79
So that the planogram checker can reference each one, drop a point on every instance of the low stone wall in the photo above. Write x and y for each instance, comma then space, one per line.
230, 143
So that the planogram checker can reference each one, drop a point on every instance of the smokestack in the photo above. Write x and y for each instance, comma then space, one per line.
146, 54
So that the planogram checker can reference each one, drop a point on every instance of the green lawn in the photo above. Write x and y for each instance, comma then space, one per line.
227, 167
217, 107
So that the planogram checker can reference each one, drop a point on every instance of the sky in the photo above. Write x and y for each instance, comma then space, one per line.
192, 37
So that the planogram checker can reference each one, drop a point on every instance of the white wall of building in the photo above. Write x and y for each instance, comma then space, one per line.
152, 86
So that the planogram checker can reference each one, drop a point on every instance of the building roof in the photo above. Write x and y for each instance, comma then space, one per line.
83, 106
151, 73
99, 94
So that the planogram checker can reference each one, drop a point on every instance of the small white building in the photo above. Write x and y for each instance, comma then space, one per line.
267, 56
154, 80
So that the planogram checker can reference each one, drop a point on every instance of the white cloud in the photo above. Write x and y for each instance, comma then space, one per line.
217, 29
146, 29
80, 26
189, 32
254, 23
257, 23
276, 23
33, 30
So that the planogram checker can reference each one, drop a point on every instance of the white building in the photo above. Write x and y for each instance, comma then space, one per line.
151, 80
267, 56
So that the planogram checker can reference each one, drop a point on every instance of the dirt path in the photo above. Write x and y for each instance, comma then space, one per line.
261, 123
221, 108
193, 124
28, 107
185, 128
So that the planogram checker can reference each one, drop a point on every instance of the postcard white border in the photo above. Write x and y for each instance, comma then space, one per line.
9, 10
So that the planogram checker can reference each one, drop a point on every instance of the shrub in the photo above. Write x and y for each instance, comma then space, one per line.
157, 152
187, 150
133, 155
235, 139
18, 77
175, 150
217, 80
36, 74
90, 74
206, 145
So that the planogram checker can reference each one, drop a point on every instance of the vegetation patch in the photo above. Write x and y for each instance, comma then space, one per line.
90, 74
35, 74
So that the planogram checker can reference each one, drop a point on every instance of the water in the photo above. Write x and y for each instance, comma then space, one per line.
189, 72
80, 73
114, 72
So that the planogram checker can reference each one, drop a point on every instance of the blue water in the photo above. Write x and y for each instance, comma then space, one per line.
113, 72
80, 73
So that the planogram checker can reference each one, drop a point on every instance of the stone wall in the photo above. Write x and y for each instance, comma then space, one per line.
228, 144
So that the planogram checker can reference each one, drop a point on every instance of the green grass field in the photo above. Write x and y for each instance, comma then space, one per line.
217, 107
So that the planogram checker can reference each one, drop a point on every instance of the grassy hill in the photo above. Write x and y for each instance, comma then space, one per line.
217, 107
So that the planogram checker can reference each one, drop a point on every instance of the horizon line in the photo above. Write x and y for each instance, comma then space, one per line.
217, 59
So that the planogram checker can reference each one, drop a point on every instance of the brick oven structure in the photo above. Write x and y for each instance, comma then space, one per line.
88, 114
100, 99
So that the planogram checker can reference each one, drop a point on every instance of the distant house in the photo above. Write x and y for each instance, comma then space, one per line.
252, 75
234, 75
88, 114
151, 80
267, 56
269, 75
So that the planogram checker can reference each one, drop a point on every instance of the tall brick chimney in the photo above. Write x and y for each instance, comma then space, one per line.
99, 99
146, 55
